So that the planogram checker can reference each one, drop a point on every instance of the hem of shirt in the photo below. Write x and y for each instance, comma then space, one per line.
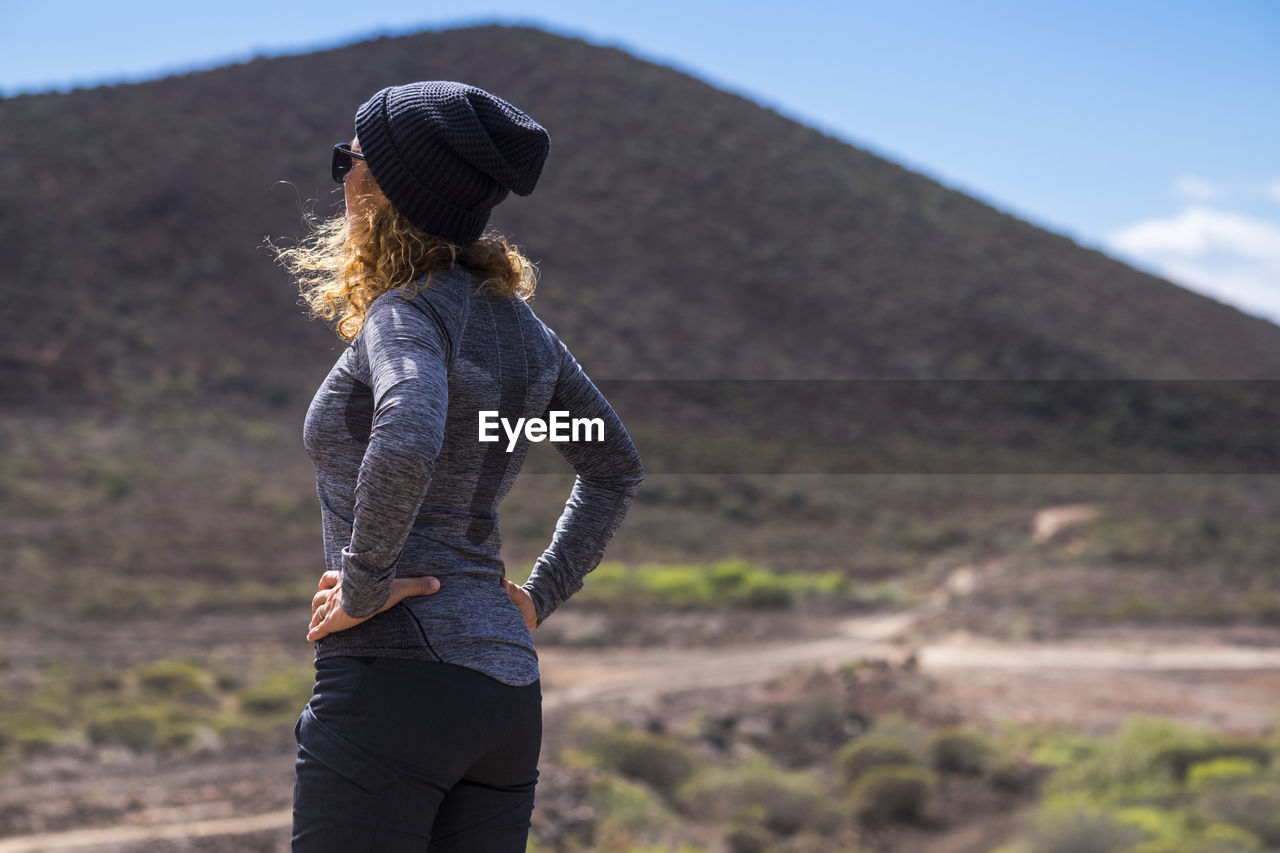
510, 675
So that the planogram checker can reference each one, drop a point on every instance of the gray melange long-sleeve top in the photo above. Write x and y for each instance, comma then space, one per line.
407, 488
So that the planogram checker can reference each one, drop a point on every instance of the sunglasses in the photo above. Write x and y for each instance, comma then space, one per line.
343, 160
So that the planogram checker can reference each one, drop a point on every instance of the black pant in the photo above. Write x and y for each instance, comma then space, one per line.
393, 754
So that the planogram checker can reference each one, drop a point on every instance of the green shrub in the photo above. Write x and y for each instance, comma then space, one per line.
1147, 758
678, 587
728, 576
1251, 806
29, 733
959, 751
137, 728
890, 793
178, 728
175, 679
720, 584
1180, 758
1222, 838
1081, 830
227, 680
1218, 771
1167, 827
656, 760
1066, 750
874, 749
38, 737
760, 792
766, 591
105, 681
1012, 774
633, 810
748, 838
1156, 787
284, 691
1216, 838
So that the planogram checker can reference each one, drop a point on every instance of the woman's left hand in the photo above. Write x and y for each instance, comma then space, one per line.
327, 615
523, 602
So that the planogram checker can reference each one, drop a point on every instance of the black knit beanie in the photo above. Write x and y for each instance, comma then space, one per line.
446, 153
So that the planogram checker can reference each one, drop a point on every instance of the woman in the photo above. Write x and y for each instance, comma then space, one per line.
425, 722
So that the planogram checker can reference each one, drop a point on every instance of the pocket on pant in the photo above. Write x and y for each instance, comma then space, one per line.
341, 755
337, 687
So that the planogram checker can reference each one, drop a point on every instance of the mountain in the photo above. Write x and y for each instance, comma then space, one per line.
156, 366
682, 232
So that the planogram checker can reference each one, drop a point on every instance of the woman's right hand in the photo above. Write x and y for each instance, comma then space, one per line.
327, 615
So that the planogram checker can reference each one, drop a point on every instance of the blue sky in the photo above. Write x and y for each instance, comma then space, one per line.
1146, 129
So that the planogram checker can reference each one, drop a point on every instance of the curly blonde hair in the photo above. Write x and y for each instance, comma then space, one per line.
341, 267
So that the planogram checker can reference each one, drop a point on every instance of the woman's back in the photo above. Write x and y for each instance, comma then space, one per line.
395, 434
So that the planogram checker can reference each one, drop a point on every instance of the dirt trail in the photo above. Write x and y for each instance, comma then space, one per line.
1089, 681
86, 839
1093, 681
579, 676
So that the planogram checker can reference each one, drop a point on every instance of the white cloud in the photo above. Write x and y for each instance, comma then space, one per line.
1190, 186
1274, 191
1247, 290
1231, 257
